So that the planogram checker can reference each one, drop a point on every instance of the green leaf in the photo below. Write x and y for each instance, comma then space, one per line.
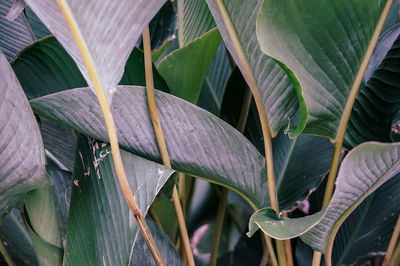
213, 89
101, 228
281, 228
323, 43
185, 69
15, 34
106, 27
363, 170
22, 162
14, 233
198, 142
378, 101
43, 227
281, 101
141, 254
195, 19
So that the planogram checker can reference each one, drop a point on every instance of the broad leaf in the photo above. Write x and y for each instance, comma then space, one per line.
22, 162
198, 142
212, 91
185, 69
379, 98
101, 228
45, 67
141, 254
274, 86
363, 170
106, 27
15, 34
323, 43
195, 19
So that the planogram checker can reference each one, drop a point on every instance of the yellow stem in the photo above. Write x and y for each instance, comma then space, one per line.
395, 260
263, 119
151, 100
5, 254
112, 134
346, 114
392, 243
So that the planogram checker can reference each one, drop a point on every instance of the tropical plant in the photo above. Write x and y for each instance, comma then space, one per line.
294, 132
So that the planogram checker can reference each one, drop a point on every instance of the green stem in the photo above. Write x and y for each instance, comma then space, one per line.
346, 115
162, 146
111, 129
263, 119
5, 254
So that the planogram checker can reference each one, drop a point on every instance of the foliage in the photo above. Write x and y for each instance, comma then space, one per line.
324, 78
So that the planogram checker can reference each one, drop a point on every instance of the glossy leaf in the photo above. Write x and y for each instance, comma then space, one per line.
185, 69
323, 43
363, 170
101, 228
275, 87
15, 35
198, 142
22, 163
281, 228
195, 19
379, 98
141, 254
106, 28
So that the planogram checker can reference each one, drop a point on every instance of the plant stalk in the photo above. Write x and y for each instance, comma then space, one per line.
392, 243
112, 133
264, 122
5, 254
395, 260
151, 100
346, 115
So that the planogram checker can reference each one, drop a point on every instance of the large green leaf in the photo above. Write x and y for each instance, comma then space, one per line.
195, 19
185, 69
363, 170
15, 34
22, 163
107, 29
198, 142
275, 87
101, 228
45, 67
379, 98
323, 43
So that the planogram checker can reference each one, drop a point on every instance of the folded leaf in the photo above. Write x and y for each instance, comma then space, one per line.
198, 142
323, 43
107, 29
281, 101
101, 228
22, 162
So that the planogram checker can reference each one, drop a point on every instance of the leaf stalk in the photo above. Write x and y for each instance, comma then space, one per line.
111, 129
151, 100
392, 243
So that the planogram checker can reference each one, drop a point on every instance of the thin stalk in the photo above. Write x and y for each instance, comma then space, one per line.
263, 119
392, 243
151, 100
288, 247
180, 22
5, 254
395, 260
218, 226
268, 243
223, 199
182, 192
112, 133
346, 115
